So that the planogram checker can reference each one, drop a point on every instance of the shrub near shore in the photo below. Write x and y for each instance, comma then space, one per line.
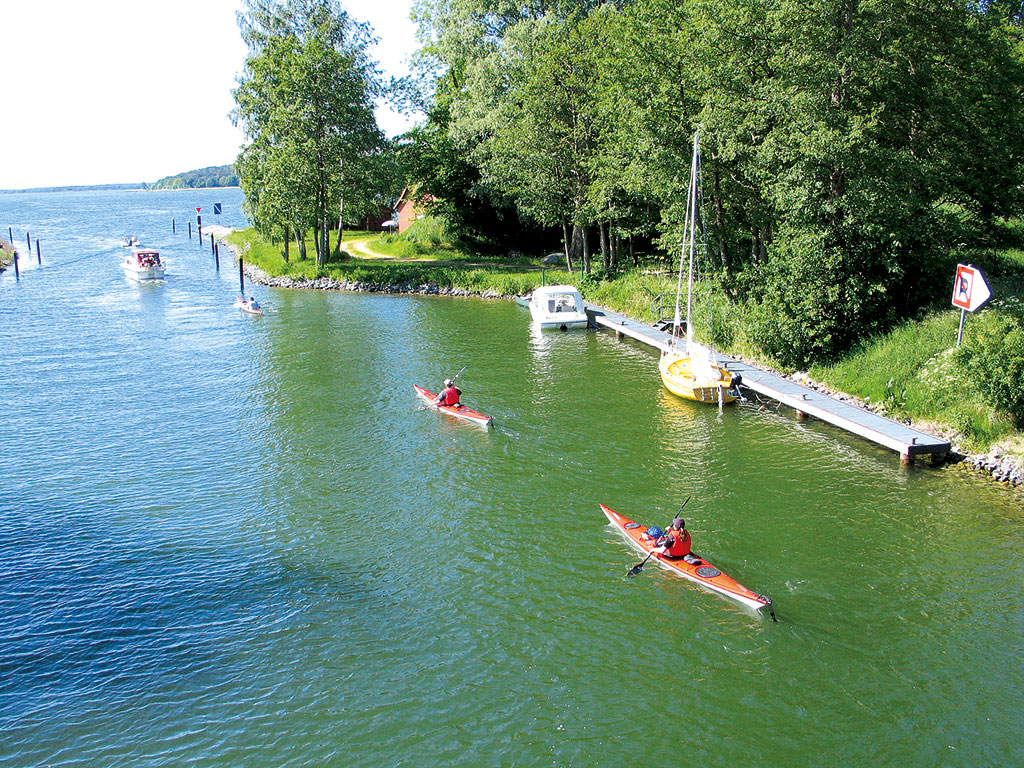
972, 396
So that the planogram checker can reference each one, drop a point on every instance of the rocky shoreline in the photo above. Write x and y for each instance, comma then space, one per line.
1000, 466
256, 275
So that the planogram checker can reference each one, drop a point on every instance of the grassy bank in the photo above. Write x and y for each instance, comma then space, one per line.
912, 373
354, 264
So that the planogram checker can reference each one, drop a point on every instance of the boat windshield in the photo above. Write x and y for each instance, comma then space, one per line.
563, 302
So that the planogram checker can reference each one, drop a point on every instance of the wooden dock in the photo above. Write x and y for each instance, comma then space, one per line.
908, 442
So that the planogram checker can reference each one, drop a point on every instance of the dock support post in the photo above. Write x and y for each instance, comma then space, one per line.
17, 274
216, 256
213, 246
39, 257
906, 460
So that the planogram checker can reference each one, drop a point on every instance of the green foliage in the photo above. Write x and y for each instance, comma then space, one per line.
812, 302
428, 232
305, 104
852, 149
993, 356
214, 176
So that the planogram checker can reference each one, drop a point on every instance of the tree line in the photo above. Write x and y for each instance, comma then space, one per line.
852, 148
212, 176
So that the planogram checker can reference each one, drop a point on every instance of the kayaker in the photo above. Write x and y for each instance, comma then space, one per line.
449, 395
676, 542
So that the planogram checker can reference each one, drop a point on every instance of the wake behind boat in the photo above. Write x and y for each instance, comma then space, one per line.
458, 411
143, 264
697, 569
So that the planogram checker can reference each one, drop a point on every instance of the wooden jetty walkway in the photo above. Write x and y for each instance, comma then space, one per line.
908, 442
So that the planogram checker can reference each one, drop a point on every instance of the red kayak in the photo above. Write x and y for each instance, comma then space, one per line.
699, 571
458, 411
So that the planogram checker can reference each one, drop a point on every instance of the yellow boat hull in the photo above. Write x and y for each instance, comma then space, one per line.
679, 379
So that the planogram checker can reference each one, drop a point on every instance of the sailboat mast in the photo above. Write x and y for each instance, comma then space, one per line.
688, 225
691, 215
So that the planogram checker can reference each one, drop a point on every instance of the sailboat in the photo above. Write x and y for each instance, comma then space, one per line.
693, 372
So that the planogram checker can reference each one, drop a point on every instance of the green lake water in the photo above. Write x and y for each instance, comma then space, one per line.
235, 540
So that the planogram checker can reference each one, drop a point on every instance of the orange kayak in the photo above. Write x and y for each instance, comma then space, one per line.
458, 411
700, 571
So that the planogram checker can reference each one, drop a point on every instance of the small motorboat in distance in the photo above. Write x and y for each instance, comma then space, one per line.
558, 306
458, 411
143, 264
130, 241
249, 305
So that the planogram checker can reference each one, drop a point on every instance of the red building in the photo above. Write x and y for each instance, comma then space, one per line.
407, 209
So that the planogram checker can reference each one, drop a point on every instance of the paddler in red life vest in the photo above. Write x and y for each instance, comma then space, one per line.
676, 542
449, 395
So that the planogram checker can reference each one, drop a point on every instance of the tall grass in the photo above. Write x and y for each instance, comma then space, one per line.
914, 372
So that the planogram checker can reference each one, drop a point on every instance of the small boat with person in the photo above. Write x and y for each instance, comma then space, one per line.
458, 411
130, 241
249, 305
691, 568
558, 307
143, 264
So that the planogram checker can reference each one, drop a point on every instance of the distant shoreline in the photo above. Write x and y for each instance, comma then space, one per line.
101, 188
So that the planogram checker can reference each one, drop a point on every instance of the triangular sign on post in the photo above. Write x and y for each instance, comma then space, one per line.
970, 290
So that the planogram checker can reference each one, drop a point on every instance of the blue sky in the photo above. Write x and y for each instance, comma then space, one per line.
115, 91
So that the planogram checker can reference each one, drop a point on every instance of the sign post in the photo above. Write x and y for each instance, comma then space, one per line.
970, 291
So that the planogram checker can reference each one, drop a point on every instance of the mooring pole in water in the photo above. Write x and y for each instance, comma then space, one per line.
190, 230
216, 256
38, 255
28, 239
199, 224
241, 277
17, 274
173, 227
10, 235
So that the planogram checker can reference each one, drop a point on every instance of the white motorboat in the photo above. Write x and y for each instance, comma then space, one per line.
143, 264
558, 306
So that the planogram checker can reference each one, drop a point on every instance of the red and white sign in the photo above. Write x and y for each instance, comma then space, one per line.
970, 290
198, 210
